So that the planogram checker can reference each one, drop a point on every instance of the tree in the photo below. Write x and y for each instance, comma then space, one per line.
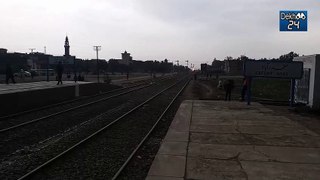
228, 58
243, 58
288, 57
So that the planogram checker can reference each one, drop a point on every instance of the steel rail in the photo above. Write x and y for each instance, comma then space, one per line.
29, 174
55, 105
148, 134
68, 110
68, 101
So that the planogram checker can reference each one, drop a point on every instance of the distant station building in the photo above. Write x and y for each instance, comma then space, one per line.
36, 61
233, 67
3, 51
41, 61
308, 88
16, 60
66, 47
218, 66
128, 64
229, 67
126, 59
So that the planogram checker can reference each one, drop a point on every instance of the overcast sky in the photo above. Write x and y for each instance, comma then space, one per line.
195, 30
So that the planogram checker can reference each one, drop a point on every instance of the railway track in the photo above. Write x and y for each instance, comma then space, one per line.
45, 139
13, 115
119, 93
39, 114
129, 159
132, 85
112, 146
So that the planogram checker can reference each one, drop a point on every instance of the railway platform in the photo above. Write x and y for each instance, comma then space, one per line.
20, 87
230, 140
25, 96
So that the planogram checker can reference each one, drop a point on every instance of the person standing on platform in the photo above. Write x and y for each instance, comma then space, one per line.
228, 86
75, 78
244, 88
59, 73
9, 74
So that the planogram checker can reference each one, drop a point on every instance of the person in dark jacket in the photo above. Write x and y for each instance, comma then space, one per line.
228, 86
9, 74
244, 88
59, 73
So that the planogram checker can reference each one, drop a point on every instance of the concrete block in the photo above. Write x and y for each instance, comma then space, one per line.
173, 148
181, 121
167, 165
274, 170
214, 169
177, 136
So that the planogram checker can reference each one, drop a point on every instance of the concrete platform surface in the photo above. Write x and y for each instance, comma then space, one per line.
230, 140
21, 87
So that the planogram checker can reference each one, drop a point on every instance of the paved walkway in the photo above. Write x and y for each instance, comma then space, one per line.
19, 87
230, 140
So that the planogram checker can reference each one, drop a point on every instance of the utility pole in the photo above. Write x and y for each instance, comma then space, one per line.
45, 49
31, 52
172, 69
97, 49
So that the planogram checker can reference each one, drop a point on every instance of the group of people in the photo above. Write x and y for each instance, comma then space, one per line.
59, 70
228, 86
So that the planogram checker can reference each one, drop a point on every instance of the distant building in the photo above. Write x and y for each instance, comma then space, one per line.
38, 60
126, 59
66, 47
308, 87
204, 68
218, 66
16, 60
127, 64
43, 61
126, 56
234, 67
3, 51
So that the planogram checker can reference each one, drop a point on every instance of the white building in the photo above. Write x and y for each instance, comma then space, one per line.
308, 88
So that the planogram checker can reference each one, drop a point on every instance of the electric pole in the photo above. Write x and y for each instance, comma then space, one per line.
31, 52
45, 49
97, 49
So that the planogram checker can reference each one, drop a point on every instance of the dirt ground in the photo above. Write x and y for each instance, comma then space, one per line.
206, 89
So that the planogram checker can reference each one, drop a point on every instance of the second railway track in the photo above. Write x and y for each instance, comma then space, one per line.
23, 118
103, 154
45, 135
